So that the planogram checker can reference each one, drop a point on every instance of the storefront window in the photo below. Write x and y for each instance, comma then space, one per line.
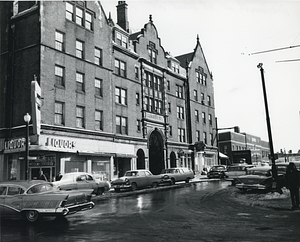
12, 169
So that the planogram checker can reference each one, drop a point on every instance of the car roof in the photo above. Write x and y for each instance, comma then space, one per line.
23, 183
77, 173
260, 168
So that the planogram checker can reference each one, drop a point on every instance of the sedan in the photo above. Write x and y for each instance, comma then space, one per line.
36, 198
81, 180
135, 179
259, 178
234, 171
216, 172
172, 175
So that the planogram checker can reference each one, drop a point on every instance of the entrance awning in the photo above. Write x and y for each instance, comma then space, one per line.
221, 155
86, 153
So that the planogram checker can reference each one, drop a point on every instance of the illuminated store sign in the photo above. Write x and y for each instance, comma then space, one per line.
60, 143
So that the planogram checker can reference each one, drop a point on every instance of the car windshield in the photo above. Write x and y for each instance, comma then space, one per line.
131, 173
39, 188
217, 168
67, 177
259, 172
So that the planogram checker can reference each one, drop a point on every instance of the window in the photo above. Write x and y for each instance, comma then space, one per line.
138, 125
59, 41
152, 52
120, 96
121, 125
169, 107
82, 16
98, 56
180, 112
136, 72
210, 119
195, 95
137, 99
211, 138
79, 117
201, 76
98, 87
175, 67
121, 39
88, 21
170, 131
204, 137
208, 100
197, 135
202, 97
59, 113
179, 91
80, 81
120, 68
196, 115
203, 117
168, 85
69, 11
79, 16
98, 120
59, 75
198, 77
79, 49
181, 135
158, 106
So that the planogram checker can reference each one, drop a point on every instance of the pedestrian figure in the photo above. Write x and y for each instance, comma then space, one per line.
42, 176
292, 183
58, 176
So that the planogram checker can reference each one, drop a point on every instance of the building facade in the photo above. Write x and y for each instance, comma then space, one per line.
243, 147
101, 98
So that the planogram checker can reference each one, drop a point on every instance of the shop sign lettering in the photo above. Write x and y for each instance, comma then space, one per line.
60, 143
15, 144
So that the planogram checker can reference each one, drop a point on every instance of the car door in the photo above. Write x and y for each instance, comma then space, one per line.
13, 200
82, 182
91, 182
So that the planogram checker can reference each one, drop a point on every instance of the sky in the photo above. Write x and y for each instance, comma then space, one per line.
231, 34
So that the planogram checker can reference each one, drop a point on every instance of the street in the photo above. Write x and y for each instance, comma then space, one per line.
205, 211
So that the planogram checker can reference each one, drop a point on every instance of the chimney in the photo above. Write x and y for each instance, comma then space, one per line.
122, 15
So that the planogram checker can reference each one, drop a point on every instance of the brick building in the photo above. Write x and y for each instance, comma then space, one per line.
102, 99
243, 147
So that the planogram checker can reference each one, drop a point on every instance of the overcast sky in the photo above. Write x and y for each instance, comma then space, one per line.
231, 32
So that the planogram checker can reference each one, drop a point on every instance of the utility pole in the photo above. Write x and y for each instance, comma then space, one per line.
274, 170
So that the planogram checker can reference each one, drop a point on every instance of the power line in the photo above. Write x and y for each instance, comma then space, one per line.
283, 48
288, 60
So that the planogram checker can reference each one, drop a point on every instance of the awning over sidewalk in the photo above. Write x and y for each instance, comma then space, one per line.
221, 155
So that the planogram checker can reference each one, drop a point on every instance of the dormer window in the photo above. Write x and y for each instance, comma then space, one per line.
121, 40
152, 52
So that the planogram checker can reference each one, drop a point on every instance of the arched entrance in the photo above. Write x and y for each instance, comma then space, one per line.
156, 152
140, 159
173, 159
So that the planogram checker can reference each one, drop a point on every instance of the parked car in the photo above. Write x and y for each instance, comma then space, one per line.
172, 175
135, 179
81, 180
260, 178
36, 198
216, 172
234, 171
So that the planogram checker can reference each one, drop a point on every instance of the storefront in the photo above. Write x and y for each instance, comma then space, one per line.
55, 154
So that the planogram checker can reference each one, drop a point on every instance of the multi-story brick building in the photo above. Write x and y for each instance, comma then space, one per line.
102, 99
243, 147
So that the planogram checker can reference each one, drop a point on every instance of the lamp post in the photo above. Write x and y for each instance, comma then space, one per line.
274, 170
27, 119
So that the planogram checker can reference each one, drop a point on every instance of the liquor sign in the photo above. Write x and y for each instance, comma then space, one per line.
14, 145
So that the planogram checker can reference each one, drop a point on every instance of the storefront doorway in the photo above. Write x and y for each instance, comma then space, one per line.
49, 172
156, 153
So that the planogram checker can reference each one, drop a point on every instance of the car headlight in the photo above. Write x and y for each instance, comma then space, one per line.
126, 181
